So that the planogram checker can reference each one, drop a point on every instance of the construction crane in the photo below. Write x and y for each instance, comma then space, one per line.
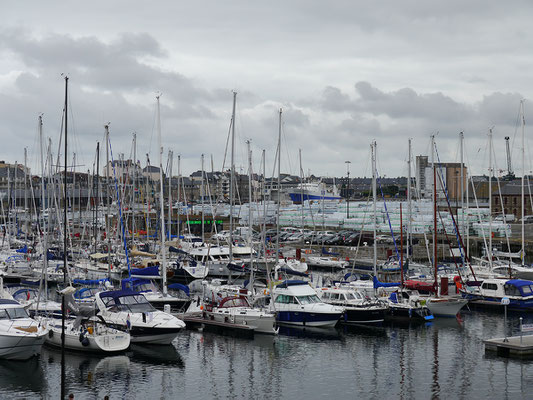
510, 173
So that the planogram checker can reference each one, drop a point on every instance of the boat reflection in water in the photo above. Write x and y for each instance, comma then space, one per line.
156, 354
22, 376
328, 333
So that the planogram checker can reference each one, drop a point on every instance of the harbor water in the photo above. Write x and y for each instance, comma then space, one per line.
442, 359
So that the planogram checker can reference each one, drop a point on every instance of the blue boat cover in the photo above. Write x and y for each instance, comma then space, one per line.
519, 282
148, 271
378, 284
115, 294
30, 283
23, 250
179, 286
286, 284
289, 271
173, 249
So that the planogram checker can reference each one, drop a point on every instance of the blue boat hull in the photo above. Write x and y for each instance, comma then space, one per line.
307, 319
297, 197
514, 304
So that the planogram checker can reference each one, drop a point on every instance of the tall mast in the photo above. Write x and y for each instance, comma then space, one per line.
232, 179
523, 253
490, 198
434, 213
161, 201
202, 192
373, 146
301, 187
107, 226
44, 226
25, 196
409, 209
170, 160
462, 174
249, 238
96, 229
279, 191
179, 195
134, 189
65, 247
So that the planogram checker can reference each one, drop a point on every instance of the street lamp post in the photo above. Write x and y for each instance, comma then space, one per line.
348, 190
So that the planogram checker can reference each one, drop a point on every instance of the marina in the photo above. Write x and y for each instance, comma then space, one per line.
282, 200
444, 359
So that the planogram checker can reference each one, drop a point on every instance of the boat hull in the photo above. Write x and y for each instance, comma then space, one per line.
14, 347
308, 318
445, 307
357, 315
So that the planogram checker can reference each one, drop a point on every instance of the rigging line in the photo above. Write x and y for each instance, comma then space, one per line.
120, 210
458, 236
378, 178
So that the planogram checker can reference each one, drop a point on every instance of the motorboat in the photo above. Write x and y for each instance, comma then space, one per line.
178, 303
21, 337
358, 308
237, 310
296, 303
491, 292
131, 311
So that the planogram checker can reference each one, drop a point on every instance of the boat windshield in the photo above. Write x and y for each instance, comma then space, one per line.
134, 304
308, 299
353, 296
13, 313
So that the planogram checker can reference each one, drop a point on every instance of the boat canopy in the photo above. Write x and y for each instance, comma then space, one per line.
117, 294
23, 250
420, 285
519, 287
152, 272
173, 249
378, 284
179, 286
286, 284
98, 256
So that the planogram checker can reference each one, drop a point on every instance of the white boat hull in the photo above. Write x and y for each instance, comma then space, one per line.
445, 307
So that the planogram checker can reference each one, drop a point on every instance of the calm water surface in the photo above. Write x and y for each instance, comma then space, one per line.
445, 359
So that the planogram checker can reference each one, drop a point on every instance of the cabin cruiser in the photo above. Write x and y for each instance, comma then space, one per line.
519, 292
154, 295
358, 308
237, 310
21, 337
129, 310
296, 303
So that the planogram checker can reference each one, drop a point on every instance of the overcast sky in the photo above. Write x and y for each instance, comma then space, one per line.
344, 72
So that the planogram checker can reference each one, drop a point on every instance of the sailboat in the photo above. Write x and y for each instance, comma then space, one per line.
440, 306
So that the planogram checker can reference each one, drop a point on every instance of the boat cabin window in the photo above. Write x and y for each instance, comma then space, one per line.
354, 296
336, 296
527, 290
490, 286
131, 304
286, 299
3, 314
309, 299
512, 290
15, 313
236, 302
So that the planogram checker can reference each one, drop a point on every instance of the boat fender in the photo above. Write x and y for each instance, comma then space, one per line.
144, 317
226, 320
50, 334
85, 342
